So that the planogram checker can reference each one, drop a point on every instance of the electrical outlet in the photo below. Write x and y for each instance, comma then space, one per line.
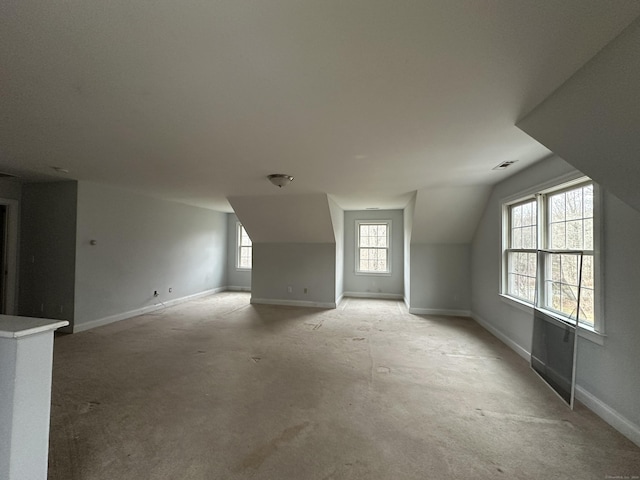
290, 289
170, 289
155, 293
305, 290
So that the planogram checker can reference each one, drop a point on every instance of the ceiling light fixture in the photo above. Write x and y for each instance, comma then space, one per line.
280, 179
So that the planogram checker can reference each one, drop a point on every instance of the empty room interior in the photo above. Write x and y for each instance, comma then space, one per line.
315, 239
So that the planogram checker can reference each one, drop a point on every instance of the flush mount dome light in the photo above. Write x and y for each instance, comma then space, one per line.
280, 179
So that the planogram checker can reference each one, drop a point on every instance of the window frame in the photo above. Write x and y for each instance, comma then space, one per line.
239, 247
357, 269
541, 194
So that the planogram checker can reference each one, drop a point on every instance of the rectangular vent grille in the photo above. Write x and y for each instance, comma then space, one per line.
504, 165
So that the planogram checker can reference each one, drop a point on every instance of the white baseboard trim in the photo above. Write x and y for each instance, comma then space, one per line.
292, 303
339, 299
233, 288
381, 296
502, 337
609, 415
100, 322
406, 302
439, 311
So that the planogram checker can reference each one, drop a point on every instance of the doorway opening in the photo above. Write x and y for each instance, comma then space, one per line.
8, 255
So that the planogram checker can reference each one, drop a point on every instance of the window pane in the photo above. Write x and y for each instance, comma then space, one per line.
574, 204
587, 271
553, 295
556, 269
561, 284
531, 264
521, 275
569, 267
588, 234
516, 216
587, 195
574, 235
569, 300
523, 232
382, 240
245, 257
528, 237
587, 310
558, 236
527, 218
516, 238
373, 260
557, 205
244, 237
364, 230
244, 248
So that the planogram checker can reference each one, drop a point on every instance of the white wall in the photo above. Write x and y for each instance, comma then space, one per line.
143, 244
47, 250
440, 281
277, 266
236, 279
337, 218
374, 284
448, 215
407, 217
592, 119
10, 189
608, 377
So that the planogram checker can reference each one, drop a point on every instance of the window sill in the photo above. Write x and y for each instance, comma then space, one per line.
374, 274
243, 269
591, 335
583, 331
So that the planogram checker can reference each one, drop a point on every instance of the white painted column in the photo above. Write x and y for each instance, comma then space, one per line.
26, 359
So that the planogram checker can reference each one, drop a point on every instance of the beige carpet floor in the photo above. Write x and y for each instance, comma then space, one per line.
220, 389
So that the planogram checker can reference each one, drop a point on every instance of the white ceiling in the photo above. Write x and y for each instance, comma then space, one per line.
365, 100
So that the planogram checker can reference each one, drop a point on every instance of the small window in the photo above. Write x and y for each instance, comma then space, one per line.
372, 247
244, 249
550, 254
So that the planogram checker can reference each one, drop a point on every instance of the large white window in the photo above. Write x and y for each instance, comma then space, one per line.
550, 251
243, 259
373, 243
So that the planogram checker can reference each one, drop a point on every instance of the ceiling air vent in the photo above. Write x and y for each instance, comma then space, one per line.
504, 165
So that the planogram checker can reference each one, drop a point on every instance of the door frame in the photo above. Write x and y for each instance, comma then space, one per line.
11, 254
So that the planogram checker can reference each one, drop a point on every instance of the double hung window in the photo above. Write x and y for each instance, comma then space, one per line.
550, 252
373, 241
